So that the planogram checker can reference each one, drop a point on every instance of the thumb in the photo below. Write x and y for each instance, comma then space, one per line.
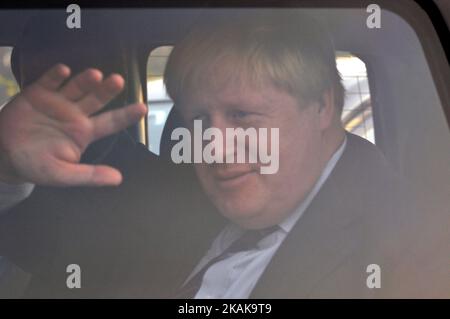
72, 174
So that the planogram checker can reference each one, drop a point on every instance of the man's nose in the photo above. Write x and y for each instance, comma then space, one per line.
224, 149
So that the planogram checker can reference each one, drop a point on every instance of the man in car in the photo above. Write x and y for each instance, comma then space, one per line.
332, 213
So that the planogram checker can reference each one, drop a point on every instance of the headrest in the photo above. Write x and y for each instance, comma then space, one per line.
173, 121
46, 40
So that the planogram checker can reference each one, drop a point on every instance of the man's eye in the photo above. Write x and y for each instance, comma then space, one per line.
239, 114
197, 117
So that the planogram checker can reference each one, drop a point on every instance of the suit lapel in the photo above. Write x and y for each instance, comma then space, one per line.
329, 231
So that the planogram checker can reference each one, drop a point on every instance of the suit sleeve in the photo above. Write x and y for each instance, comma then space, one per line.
35, 230
28, 231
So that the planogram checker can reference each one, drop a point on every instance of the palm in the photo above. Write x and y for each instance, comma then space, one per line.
46, 128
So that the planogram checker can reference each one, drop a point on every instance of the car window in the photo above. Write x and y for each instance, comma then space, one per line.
375, 193
8, 85
356, 116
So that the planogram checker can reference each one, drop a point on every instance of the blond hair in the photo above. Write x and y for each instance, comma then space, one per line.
288, 50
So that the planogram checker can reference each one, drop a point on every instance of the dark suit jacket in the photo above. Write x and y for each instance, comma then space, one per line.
143, 238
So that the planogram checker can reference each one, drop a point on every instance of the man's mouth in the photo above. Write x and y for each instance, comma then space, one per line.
231, 179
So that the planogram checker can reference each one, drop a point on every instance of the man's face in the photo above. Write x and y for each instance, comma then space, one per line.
239, 190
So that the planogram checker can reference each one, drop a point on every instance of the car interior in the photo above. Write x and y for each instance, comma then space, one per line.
407, 68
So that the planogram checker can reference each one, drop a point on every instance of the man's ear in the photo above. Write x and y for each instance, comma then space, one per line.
327, 109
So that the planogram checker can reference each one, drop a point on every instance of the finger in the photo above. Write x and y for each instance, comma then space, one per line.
53, 78
102, 94
82, 84
114, 121
70, 174
53, 105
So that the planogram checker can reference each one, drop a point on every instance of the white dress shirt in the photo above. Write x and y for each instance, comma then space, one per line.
237, 275
12, 194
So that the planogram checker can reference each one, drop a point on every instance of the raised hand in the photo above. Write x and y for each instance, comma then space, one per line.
46, 128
